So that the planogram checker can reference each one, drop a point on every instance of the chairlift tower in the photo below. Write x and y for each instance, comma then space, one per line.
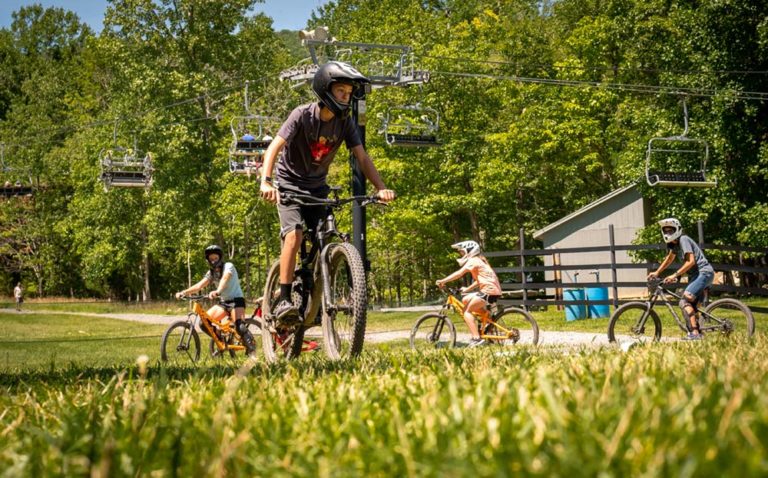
388, 65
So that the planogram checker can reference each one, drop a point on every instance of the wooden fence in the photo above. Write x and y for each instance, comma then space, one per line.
530, 291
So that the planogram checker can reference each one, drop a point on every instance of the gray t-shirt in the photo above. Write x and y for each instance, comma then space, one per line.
312, 145
232, 290
687, 245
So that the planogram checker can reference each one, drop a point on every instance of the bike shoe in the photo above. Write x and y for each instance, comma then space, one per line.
477, 343
286, 313
692, 336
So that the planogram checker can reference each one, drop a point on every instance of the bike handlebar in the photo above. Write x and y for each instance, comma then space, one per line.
193, 297
309, 200
451, 290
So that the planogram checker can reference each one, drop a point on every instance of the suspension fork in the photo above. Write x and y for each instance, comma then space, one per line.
325, 273
649, 304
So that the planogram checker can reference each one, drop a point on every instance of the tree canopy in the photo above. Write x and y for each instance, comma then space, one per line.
544, 106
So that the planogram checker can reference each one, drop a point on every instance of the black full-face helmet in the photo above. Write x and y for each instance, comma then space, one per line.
214, 249
330, 73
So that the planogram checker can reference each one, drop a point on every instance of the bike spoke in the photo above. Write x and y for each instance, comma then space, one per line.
432, 331
633, 322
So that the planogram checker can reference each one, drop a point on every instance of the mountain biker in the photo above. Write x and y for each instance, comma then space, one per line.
223, 276
700, 272
306, 144
484, 279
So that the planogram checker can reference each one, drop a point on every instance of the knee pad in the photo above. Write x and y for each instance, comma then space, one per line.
684, 303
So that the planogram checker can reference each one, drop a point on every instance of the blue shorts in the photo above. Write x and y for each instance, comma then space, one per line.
698, 282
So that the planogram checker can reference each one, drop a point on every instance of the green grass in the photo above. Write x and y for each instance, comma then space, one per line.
664, 409
102, 307
35, 341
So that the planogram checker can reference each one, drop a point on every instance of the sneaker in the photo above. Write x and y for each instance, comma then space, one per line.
476, 343
692, 336
286, 313
250, 345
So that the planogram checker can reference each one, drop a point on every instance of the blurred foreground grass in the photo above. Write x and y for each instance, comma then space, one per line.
672, 409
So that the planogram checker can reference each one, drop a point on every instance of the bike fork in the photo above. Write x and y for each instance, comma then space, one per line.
325, 273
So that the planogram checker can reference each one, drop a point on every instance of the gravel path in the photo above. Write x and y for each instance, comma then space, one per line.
546, 338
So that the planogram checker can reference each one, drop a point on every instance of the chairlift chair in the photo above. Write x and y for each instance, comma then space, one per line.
125, 168
411, 126
678, 161
11, 186
8, 189
251, 138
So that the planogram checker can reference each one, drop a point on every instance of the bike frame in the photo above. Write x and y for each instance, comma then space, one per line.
484, 318
664, 294
203, 320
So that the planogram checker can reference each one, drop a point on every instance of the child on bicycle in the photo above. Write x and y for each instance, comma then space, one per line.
484, 279
700, 272
223, 276
306, 144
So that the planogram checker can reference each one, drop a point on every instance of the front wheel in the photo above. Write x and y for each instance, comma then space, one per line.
180, 343
729, 316
344, 318
278, 342
513, 326
634, 322
433, 331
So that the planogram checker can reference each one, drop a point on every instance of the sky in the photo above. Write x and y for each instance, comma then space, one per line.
287, 14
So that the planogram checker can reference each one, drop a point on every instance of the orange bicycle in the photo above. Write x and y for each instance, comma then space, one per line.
181, 342
499, 325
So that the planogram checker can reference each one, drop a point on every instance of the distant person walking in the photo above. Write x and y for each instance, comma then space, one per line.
18, 295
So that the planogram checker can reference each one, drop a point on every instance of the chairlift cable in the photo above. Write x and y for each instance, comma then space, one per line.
629, 87
596, 68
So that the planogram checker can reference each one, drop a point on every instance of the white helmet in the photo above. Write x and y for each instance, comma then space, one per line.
674, 223
469, 248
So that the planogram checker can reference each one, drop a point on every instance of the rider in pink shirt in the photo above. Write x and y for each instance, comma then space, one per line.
484, 279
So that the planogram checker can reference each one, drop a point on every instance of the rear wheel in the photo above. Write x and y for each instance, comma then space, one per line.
344, 318
513, 326
180, 343
733, 318
634, 322
433, 331
278, 342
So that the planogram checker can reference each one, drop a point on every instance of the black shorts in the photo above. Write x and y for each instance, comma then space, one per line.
491, 299
233, 304
294, 216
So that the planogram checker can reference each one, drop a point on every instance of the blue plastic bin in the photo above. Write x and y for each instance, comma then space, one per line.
598, 310
576, 311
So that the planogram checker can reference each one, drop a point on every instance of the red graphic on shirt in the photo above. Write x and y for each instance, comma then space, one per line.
320, 149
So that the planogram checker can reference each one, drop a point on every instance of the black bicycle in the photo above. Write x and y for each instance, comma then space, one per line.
329, 287
637, 320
